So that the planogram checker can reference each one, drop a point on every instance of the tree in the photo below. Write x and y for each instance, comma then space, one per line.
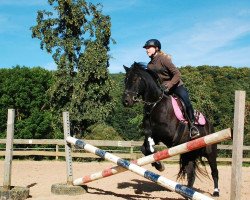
77, 35
24, 90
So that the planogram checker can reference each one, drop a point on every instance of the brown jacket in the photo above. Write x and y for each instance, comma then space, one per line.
169, 74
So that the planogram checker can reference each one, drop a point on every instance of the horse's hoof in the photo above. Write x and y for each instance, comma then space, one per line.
159, 166
216, 194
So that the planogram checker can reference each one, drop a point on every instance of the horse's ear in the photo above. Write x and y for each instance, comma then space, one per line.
126, 68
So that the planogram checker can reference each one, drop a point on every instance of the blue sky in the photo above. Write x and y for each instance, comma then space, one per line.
194, 32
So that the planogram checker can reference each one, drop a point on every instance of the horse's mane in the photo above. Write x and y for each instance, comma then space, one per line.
141, 68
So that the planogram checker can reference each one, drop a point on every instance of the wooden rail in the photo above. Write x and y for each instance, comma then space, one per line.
58, 151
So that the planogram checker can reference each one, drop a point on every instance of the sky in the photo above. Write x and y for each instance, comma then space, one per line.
193, 32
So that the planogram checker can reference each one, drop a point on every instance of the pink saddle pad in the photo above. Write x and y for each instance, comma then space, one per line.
199, 117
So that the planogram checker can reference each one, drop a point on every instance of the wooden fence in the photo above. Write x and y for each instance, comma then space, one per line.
124, 149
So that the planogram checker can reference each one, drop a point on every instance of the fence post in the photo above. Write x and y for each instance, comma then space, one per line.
66, 130
57, 151
238, 133
9, 148
131, 149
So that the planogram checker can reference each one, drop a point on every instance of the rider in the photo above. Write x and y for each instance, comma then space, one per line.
170, 78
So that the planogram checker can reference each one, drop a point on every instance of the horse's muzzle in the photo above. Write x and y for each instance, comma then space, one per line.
128, 100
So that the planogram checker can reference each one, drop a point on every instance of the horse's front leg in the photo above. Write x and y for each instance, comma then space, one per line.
148, 144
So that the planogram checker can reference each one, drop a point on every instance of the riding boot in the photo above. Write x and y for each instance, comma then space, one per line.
194, 131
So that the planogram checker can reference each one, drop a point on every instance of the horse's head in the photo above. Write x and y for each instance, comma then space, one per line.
140, 82
134, 86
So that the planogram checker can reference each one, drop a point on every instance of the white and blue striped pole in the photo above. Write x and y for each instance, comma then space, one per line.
160, 155
169, 184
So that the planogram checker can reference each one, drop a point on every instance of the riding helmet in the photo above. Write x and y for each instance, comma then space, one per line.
153, 43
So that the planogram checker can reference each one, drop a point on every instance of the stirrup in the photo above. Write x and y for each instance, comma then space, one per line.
194, 132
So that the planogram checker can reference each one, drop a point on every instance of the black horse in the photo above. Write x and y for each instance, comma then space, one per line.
161, 125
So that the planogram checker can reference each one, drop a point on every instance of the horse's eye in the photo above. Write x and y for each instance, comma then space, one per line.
135, 79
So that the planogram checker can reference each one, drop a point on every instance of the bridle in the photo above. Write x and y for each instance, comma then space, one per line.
135, 98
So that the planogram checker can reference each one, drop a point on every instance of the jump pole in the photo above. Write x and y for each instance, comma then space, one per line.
171, 185
167, 153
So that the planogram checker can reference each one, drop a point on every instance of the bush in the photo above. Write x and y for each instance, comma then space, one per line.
102, 132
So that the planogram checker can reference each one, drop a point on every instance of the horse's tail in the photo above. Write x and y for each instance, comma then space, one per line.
185, 163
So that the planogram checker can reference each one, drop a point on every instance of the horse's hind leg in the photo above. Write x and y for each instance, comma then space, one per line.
211, 157
190, 170
187, 167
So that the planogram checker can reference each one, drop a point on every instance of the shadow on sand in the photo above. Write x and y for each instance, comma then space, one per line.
142, 190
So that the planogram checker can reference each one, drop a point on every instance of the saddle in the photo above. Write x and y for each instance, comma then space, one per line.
180, 113
179, 110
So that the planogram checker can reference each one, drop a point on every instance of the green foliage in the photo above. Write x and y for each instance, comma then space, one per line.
226, 81
200, 89
24, 90
247, 125
102, 132
126, 121
78, 36
212, 91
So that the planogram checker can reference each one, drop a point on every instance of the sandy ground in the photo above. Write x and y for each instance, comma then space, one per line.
40, 175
